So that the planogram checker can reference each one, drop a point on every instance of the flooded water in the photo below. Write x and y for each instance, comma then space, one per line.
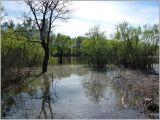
156, 67
67, 91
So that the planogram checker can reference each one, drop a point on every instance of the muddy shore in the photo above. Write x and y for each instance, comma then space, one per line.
140, 85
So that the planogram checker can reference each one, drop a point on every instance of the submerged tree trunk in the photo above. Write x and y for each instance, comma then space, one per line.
61, 57
45, 61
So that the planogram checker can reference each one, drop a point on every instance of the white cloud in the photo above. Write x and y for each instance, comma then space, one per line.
98, 11
107, 14
74, 27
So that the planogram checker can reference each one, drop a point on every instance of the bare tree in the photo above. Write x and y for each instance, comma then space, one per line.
44, 15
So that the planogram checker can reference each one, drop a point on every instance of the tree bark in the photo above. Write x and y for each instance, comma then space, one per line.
45, 61
61, 55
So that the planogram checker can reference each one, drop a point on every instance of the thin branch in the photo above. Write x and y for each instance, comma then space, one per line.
33, 11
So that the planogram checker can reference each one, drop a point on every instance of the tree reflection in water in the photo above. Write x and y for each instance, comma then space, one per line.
95, 85
46, 99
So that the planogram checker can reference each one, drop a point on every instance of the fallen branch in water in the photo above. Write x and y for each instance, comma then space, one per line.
122, 100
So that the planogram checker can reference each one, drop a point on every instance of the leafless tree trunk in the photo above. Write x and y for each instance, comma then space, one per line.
44, 13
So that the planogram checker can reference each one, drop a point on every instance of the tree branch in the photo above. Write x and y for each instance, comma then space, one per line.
33, 11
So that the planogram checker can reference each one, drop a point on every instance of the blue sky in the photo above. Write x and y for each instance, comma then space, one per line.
106, 14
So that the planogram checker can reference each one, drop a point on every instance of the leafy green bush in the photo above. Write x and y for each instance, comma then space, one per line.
134, 47
17, 52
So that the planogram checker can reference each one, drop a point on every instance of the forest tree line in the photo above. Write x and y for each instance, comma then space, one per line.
130, 46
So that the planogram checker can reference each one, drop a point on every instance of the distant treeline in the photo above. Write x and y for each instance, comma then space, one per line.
130, 46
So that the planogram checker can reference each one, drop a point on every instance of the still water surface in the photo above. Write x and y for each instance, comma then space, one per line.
68, 91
